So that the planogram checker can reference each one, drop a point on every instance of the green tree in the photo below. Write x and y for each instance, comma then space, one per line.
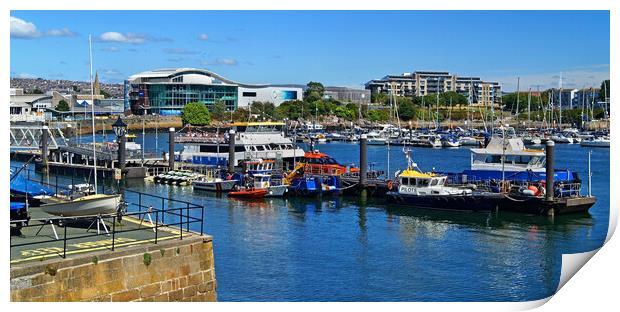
345, 113
314, 91
291, 109
37, 91
510, 101
219, 110
378, 115
241, 114
379, 98
196, 113
601, 92
265, 110
406, 108
63, 106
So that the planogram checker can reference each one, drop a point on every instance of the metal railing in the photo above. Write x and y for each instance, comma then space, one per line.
176, 215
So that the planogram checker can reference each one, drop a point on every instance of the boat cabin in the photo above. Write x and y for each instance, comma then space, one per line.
412, 182
316, 162
516, 157
259, 166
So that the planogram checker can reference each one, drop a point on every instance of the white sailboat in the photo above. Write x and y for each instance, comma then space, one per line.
89, 205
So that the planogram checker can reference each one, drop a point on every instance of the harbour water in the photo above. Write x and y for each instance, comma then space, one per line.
346, 249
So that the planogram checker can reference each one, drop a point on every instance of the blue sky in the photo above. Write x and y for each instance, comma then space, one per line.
343, 48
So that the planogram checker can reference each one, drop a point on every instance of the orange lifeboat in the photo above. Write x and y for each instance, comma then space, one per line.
249, 193
321, 163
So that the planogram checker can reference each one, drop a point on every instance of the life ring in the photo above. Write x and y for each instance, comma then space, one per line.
390, 184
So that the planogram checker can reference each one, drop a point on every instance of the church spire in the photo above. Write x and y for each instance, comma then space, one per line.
96, 86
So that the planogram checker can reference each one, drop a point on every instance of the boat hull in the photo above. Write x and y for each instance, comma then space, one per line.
255, 193
216, 186
85, 206
277, 191
476, 202
595, 143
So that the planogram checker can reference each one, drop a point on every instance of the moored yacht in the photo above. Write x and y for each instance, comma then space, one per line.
509, 159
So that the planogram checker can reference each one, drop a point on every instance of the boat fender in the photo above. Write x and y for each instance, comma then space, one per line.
390, 184
528, 192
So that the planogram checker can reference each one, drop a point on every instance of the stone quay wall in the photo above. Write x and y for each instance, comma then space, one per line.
172, 270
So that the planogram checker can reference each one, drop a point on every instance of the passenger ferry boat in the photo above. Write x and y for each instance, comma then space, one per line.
429, 190
253, 140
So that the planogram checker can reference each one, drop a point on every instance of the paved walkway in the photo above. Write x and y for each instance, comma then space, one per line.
81, 239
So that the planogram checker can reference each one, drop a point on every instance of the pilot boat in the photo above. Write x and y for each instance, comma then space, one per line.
429, 190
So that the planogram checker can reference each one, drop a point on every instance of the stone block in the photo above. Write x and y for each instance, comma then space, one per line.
161, 298
175, 295
42, 279
150, 290
127, 295
190, 291
195, 279
210, 297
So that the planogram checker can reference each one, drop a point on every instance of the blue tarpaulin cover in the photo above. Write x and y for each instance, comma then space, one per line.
20, 185
16, 206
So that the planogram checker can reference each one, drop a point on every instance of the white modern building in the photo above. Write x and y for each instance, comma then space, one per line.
166, 91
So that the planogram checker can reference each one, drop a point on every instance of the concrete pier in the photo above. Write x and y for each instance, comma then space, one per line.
172, 270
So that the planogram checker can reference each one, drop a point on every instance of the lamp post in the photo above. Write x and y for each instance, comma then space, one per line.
120, 129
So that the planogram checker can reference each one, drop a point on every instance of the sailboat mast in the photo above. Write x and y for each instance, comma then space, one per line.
560, 125
437, 111
517, 110
583, 102
92, 110
529, 103
605, 88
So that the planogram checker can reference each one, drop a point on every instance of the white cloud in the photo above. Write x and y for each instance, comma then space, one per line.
110, 49
113, 36
24, 75
64, 32
23, 29
111, 72
203, 37
226, 61
179, 51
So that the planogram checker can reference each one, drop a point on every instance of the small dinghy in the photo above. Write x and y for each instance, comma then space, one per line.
249, 193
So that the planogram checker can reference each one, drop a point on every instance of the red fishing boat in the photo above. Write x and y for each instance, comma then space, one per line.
249, 193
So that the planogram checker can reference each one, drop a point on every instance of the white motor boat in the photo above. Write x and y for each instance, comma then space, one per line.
559, 138
531, 140
214, 185
596, 142
213, 182
469, 141
90, 205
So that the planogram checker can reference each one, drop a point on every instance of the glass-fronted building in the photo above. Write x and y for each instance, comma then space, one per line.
167, 91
